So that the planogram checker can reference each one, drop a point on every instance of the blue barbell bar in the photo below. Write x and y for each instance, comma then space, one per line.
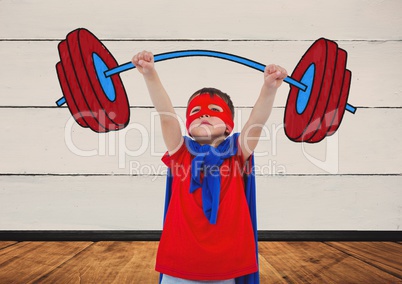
206, 53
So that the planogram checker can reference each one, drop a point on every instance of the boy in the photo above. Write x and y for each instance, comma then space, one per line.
208, 232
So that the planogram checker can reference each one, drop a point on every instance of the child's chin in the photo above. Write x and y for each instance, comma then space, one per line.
205, 132
201, 137
207, 138
202, 132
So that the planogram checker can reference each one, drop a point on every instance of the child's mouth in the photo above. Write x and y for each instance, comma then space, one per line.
205, 123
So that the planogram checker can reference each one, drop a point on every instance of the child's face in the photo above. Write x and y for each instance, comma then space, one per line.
206, 118
207, 127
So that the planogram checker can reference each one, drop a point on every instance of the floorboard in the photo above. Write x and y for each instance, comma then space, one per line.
27, 261
6, 244
315, 262
383, 255
109, 262
268, 274
133, 262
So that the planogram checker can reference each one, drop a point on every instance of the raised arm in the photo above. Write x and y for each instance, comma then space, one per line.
251, 132
144, 61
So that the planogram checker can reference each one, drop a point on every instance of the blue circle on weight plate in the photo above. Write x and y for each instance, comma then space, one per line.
303, 97
105, 82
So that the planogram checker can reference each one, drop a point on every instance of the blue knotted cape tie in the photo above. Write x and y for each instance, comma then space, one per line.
209, 159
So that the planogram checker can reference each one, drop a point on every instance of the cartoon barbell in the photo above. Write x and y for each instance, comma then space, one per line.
95, 95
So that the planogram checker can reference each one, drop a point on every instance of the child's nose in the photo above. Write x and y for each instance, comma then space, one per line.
205, 115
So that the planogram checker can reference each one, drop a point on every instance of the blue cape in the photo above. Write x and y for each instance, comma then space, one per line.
250, 190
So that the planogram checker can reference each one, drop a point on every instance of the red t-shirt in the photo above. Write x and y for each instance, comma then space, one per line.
193, 248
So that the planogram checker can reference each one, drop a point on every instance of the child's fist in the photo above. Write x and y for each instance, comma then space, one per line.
144, 62
274, 75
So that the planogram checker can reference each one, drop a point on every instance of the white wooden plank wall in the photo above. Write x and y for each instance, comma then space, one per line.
56, 175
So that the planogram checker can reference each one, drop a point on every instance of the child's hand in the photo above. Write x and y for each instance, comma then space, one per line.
144, 62
274, 75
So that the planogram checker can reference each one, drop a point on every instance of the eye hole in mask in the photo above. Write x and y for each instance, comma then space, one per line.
212, 107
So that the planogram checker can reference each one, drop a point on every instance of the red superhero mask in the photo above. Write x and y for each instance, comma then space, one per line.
204, 101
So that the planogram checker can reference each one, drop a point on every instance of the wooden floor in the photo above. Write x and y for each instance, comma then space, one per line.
133, 262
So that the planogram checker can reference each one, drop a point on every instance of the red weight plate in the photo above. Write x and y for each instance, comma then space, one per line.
68, 96
334, 98
301, 127
77, 97
82, 85
342, 104
112, 115
65, 86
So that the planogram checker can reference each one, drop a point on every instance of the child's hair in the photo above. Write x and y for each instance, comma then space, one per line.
212, 92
